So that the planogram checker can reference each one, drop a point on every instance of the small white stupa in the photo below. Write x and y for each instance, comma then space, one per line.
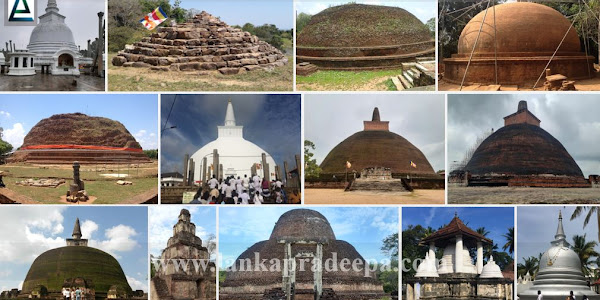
428, 267
491, 270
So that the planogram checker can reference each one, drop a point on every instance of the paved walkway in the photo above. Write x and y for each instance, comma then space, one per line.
46, 82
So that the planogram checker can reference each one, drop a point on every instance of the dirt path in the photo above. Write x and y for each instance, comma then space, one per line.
335, 196
141, 198
522, 195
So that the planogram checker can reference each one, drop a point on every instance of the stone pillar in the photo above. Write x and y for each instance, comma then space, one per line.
186, 161
458, 258
265, 167
410, 294
191, 172
318, 271
298, 163
285, 172
89, 49
479, 257
100, 44
287, 268
216, 163
204, 175
76, 177
277, 173
221, 171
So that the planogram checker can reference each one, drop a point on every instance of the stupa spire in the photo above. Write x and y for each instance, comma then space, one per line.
229, 115
52, 6
376, 117
76, 230
560, 232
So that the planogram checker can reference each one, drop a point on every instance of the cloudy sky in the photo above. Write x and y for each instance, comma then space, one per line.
536, 227
364, 228
423, 9
19, 113
571, 119
165, 217
272, 122
81, 17
240, 12
120, 231
497, 220
330, 119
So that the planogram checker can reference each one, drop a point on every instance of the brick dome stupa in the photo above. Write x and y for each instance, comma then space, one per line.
376, 146
65, 138
524, 38
302, 226
359, 36
523, 154
201, 43
75, 266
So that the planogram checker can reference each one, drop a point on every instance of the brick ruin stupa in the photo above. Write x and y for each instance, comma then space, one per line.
300, 233
202, 43
361, 37
523, 154
65, 138
174, 284
527, 35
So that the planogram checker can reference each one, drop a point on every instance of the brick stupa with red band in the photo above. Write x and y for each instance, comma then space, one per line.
64, 138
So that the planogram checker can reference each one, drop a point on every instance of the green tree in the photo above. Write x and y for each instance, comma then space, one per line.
591, 211
5, 147
302, 20
389, 277
530, 266
311, 168
585, 251
509, 236
411, 250
431, 25
152, 154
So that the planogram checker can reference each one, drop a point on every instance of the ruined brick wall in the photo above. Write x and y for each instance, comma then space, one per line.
522, 117
377, 125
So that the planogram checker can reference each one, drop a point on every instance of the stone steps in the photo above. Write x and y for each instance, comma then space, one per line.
413, 75
393, 185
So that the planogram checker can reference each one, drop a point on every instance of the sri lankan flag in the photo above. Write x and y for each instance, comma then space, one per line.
412, 164
154, 19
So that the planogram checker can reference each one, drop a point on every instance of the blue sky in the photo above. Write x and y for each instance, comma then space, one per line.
536, 227
139, 114
270, 121
363, 227
120, 231
497, 220
422, 9
163, 219
240, 12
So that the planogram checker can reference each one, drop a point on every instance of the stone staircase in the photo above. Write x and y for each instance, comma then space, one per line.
416, 74
392, 185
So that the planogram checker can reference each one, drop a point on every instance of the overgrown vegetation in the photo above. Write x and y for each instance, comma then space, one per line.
125, 28
347, 80
302, 20
152, 153
311, 168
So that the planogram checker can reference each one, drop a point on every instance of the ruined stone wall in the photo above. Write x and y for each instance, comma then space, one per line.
174, 194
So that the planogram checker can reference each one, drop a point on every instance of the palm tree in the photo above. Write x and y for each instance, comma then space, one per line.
585, 251
509, 236
591, 210
530, 266
483, 231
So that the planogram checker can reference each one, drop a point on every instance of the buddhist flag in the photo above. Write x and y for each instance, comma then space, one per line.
348, 165
412, 164
154, 19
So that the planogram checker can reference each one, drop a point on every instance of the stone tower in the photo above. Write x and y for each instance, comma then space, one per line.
77, 240
174, 282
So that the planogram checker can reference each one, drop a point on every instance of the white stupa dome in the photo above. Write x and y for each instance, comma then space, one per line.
51, 34
491, 270
236, 154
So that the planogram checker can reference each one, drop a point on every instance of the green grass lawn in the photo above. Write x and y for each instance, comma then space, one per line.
104, 189
142, 79
378, 80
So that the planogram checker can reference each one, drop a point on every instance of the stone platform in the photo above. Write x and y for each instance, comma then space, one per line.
45, 82
517, 69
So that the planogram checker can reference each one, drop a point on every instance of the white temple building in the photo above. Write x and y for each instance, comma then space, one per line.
236, 154
53, 44
456, 239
